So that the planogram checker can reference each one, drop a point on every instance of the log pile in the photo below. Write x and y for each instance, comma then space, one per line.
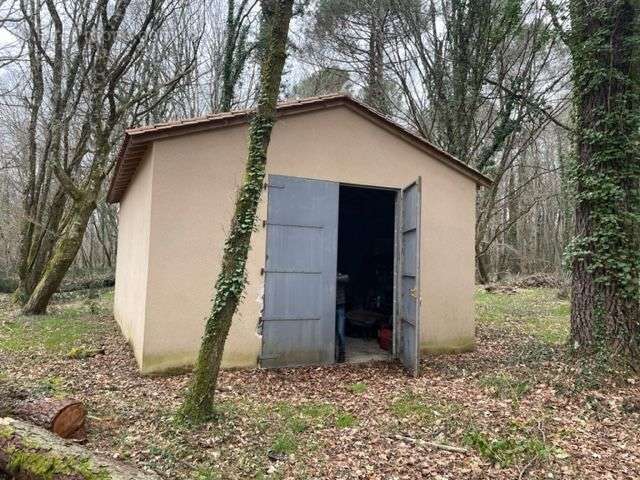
538, 280
28, 452
496, 288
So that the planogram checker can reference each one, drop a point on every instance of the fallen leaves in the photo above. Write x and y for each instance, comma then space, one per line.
358, 421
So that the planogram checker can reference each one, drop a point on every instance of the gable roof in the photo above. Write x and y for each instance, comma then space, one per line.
136, 140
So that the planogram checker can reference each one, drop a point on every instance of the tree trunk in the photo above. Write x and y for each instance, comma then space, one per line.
198, 405
606, 251
375, 95
228, 84
39, 245
483, 266
28, 452
62, 257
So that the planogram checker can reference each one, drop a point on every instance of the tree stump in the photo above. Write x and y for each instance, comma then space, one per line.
29, 452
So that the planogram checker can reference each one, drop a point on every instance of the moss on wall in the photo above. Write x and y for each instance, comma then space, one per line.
182, 362
455, 346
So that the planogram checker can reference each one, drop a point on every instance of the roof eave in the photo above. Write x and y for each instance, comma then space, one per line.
135, 140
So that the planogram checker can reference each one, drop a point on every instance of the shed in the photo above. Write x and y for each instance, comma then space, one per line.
347, 191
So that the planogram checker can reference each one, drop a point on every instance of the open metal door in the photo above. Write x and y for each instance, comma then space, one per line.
298, 322
408, 340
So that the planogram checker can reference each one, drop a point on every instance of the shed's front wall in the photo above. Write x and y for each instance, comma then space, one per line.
195, 178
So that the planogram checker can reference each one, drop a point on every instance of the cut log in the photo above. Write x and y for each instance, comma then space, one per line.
29, 452
64, 417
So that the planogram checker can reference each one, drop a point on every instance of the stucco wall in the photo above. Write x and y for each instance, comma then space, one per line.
194, 182
134, 216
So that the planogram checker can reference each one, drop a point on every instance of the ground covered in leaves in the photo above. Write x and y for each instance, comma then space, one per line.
517, 407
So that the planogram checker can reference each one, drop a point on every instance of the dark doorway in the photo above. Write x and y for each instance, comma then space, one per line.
366, 256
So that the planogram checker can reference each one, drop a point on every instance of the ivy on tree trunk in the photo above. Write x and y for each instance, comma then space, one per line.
198, 405
605, 252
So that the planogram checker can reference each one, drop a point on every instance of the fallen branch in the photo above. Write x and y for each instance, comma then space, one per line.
32, 453
425, 443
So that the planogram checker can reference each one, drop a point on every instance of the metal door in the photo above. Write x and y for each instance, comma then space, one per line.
300, 274
409, 332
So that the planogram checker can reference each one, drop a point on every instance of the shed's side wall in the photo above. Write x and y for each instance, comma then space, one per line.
134, 219
194, 183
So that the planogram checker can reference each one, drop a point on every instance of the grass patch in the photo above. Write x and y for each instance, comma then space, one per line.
537, 311
507, 450
285, 443
411, 405
300, 418
319, 411
52, 333
66, 327
307, 411
53, 386
357, 388
504, 385
417, 407
206, 473
346, 420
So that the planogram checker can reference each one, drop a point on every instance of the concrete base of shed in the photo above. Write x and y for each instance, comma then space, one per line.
361, 350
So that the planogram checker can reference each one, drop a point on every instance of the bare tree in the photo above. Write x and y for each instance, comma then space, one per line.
83, 62
481, 80
236, 48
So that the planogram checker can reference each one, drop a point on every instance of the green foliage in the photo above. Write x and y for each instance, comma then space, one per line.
285, 443
317, 410
52, 386
507, 450
595, 372
322, 82
346, 420
300, 418
504, 385
81, 352
357, 388
298, 424
206, 473
418, 408
606, 170
411, 405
